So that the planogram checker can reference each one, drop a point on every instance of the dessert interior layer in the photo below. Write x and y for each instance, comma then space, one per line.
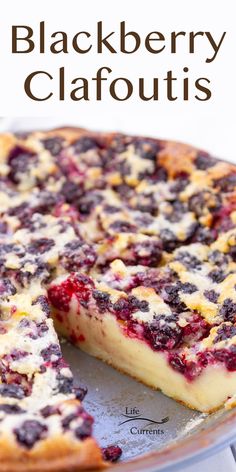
102, 337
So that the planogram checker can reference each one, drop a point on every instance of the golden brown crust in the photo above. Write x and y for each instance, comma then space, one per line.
71, 134
175, 156
50, 457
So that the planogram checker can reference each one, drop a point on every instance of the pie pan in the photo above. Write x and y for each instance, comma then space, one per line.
154, 432
160, 434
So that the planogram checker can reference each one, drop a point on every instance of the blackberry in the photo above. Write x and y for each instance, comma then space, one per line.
84, 144
228, 310
30, 432
188, 260
226, 184
172, 297
187, 287
169, 240
53, 145
19, 161
53, 350
211, 295
88, 202
162, 336
12, 391
72, 192
146, 149
49, 410
77, 254
11, 409
85, 430
120, 226
80, 392
6, 287
102, 300
123, 190
147, 253
218, 258
111, 453
217, 275
44, 304
225, 332
203, 161
40, 246
64, 384
177, 363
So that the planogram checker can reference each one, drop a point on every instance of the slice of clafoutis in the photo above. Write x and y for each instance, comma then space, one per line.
43, 425
127, 332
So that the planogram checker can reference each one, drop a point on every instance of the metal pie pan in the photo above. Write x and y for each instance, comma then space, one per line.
155, 432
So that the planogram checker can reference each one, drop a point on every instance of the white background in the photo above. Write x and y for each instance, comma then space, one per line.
210, 125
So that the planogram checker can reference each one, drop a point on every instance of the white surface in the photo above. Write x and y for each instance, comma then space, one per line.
221, 462
210, 125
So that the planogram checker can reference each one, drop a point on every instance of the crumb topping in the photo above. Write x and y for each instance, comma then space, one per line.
135, 228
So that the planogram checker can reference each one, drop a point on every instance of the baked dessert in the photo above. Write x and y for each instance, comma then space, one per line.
126, 246
43, 423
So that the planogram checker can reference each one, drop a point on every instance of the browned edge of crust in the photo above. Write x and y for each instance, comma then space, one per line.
87, 458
